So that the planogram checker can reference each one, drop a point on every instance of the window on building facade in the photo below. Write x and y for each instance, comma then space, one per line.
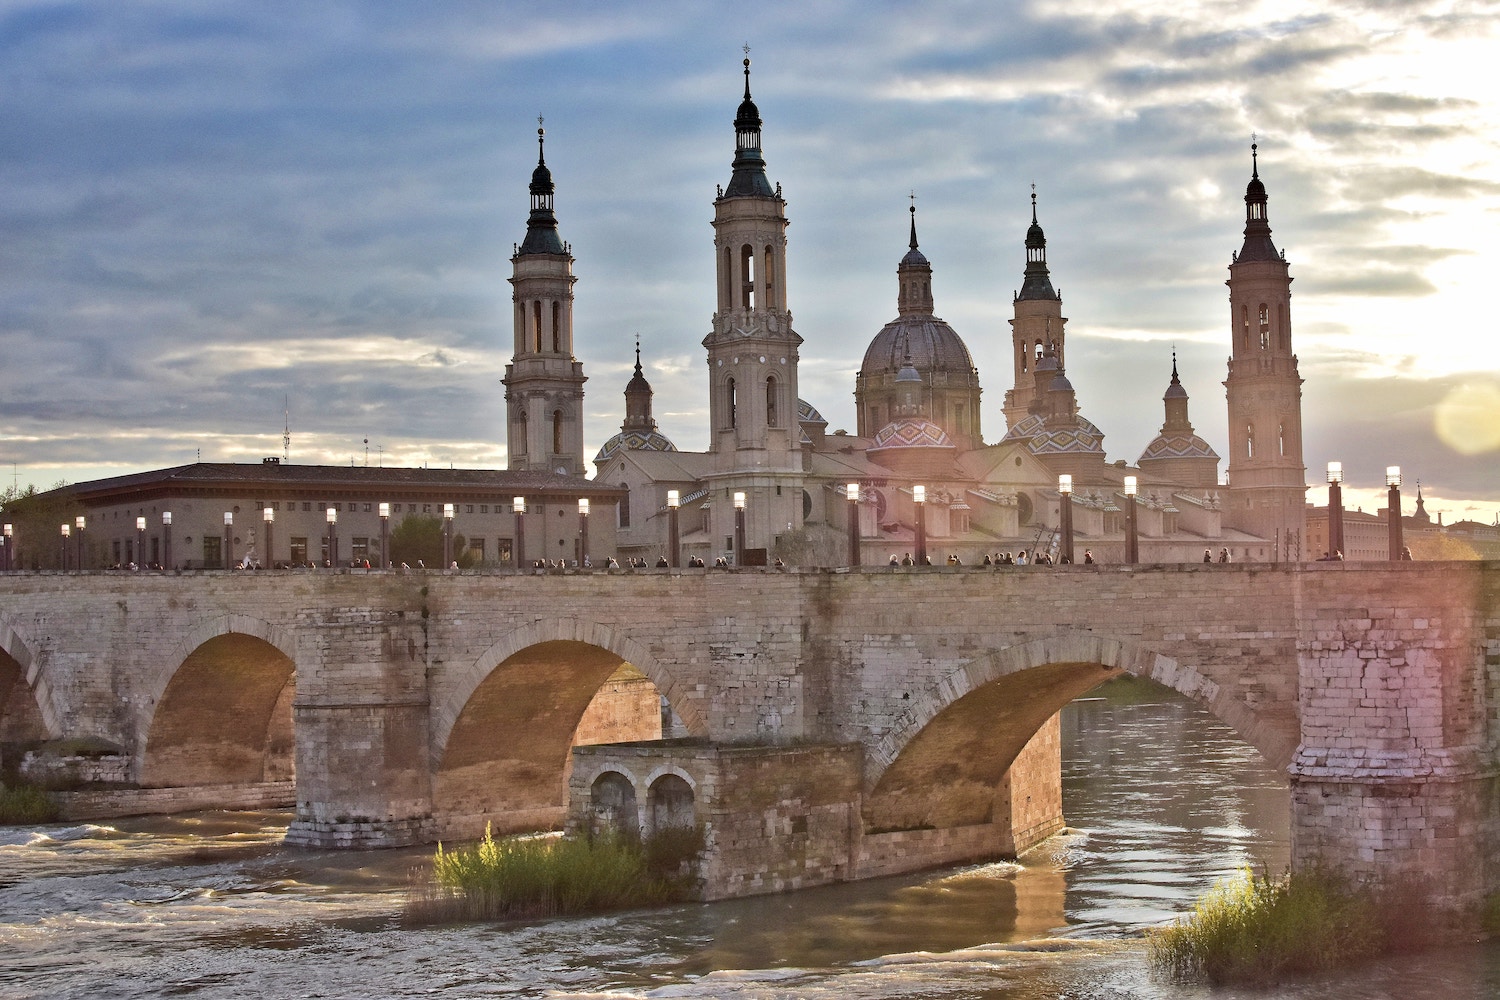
476, 546
299, 550
360, 548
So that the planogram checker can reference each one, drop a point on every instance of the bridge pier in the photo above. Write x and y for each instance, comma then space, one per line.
361, 721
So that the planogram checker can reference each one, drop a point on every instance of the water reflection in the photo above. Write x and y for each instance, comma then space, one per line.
1160, 799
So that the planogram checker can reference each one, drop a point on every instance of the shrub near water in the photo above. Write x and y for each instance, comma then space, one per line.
1257, 930
527, 877
26, 804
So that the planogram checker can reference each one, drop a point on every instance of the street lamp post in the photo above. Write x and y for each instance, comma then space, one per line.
140, 541
674, 539
1393, 510
10, 544
333, 537
67, 530
583, 531
1132, 536
739, 529
166, 538
919, 498
229, 539
80, 521
851, 494
385, 535
1065, 514
518, 507
1335, 509
447, 535
268, 515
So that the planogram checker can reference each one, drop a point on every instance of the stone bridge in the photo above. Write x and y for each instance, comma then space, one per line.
832, 724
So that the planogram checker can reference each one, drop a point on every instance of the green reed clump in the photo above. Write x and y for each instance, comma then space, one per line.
26, 804
1258, 930
531, 877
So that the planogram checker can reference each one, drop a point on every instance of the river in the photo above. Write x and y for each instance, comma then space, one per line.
1161, 800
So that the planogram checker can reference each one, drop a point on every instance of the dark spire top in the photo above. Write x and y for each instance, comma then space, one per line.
1175, 389
541, 227
914, 256
1258, 245
1038, 282
749, 177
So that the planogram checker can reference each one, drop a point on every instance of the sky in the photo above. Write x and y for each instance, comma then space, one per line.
218, 219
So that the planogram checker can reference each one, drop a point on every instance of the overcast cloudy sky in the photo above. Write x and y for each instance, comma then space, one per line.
210, 211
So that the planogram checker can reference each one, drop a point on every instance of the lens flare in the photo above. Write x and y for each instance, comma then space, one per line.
1468, 418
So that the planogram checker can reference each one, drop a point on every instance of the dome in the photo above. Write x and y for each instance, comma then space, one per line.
1077, 436
634, 441
541, 180
934, 346
1178, 446
808, 414
911, 432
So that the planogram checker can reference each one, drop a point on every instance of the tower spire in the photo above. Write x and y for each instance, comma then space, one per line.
541, 226
749, 177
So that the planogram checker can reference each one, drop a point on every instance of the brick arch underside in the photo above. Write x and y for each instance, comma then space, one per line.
944, 768
21, 721
506, 758
225, 717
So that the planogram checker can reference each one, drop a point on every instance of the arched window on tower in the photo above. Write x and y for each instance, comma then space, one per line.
731, 402
1283, 329
1265, 327
1249, 440
557, 442
1038, 350
1244, 328
773, 416
557, 327
747, 277
1025, 359
1281, 439
536, 325
768, 278
726, 281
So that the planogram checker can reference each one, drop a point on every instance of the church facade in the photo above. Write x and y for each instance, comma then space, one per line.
774, 484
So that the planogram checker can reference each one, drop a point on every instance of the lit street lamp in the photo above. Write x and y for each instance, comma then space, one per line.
739, 529
229, 539
919, 497
1065, 515
583, 532
1335, 509
385, 534
851, 494
447, 535
1132, 537
140, 541
518, 507
166, 538
10, 545
674, 539
333, 538
80, 522
269, 517
66, 532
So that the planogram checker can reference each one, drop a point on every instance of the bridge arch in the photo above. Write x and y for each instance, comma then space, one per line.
940, 765
220, 710
27, 712
502, 736
535, 633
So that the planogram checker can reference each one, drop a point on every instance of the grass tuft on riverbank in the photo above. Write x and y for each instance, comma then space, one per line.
23, 805
535, 877
1261, 930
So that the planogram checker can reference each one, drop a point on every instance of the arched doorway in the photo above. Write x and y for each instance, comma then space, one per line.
21, 724
225, 717
669, 804
612, 805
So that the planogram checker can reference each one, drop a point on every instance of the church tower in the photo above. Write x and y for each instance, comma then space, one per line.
1037, 328
543, 383
1267, 480
752, 349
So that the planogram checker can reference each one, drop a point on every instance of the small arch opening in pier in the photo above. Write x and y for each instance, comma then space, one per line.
21, 723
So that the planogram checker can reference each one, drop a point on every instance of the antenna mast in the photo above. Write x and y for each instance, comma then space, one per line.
286, 433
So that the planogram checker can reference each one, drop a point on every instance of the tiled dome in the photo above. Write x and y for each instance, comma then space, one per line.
1077, 437
1179, 446
634, 441
911, 432
934, 346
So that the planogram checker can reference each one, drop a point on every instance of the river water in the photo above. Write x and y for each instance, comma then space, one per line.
1161, 801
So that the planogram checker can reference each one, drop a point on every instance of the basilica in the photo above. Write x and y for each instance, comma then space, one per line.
775, 485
